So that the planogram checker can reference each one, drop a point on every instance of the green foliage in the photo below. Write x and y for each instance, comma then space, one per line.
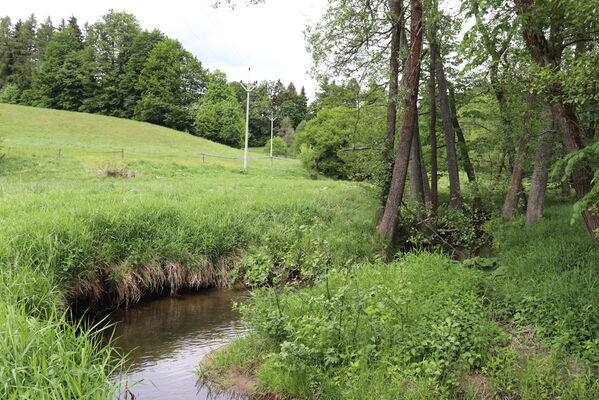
279, 147
307, 156
10, 94
329, 132
222, 122
335, 129
43, 354
286, 132
295, 253
382, 321
168, 69
585, 158
547, 282
66, 78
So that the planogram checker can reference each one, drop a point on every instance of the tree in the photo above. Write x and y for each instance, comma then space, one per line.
327, 134
141, 47
112, 39
5, 50
567, 22
22, 50
286, 132
42, 38
170, 82
388, 223
60, 83
538, 182
222, 121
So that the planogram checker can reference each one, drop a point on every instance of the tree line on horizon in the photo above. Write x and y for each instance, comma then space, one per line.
113, 67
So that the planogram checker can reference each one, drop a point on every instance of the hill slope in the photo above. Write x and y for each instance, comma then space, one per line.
42, 132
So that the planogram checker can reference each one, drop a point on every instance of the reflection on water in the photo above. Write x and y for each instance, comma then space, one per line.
168, 337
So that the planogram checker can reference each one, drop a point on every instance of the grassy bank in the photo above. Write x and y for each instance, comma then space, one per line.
430, 328
93, 229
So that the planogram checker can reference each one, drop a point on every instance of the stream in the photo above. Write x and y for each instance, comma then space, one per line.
166, 339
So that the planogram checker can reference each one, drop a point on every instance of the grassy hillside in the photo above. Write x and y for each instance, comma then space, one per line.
37, 134
92, 229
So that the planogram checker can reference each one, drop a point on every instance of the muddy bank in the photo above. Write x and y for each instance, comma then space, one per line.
238, 384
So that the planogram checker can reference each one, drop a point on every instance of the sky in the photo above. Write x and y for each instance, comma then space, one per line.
267, 37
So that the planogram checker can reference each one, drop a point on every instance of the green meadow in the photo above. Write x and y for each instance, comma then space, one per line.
91, 229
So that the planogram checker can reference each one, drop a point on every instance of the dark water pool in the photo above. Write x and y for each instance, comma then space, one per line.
168, 337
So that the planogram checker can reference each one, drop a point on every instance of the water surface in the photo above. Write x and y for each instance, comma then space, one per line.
168, 337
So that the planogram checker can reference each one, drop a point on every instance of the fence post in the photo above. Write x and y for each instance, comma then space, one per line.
122, 154
59, 153
202, 158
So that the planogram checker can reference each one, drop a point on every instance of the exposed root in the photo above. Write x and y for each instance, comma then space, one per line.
119, 286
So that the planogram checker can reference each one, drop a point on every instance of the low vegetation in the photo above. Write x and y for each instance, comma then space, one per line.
431, 327
93, 229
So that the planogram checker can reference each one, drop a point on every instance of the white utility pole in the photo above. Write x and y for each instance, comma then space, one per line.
272, 123
248, 89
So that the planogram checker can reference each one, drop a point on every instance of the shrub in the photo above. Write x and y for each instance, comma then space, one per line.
10, 94
307, 156
415, 320
279, 147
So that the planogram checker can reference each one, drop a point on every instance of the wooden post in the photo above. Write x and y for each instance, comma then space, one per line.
202, 158
58, 158
122, 154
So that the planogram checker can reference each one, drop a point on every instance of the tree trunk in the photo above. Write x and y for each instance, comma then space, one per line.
462, 146
396, 33
432, 132
420, 188
582, 177
425, 184
455, 201
416, 182
388, 223
513, 194
566, 190
538, 183
564, 116
516, 189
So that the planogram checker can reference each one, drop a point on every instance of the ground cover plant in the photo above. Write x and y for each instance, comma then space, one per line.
93, 229
430, 327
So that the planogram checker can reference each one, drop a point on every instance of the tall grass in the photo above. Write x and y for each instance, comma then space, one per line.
43, 354
74, 227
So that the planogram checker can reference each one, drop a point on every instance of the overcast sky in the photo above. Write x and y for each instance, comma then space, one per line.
267, 37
